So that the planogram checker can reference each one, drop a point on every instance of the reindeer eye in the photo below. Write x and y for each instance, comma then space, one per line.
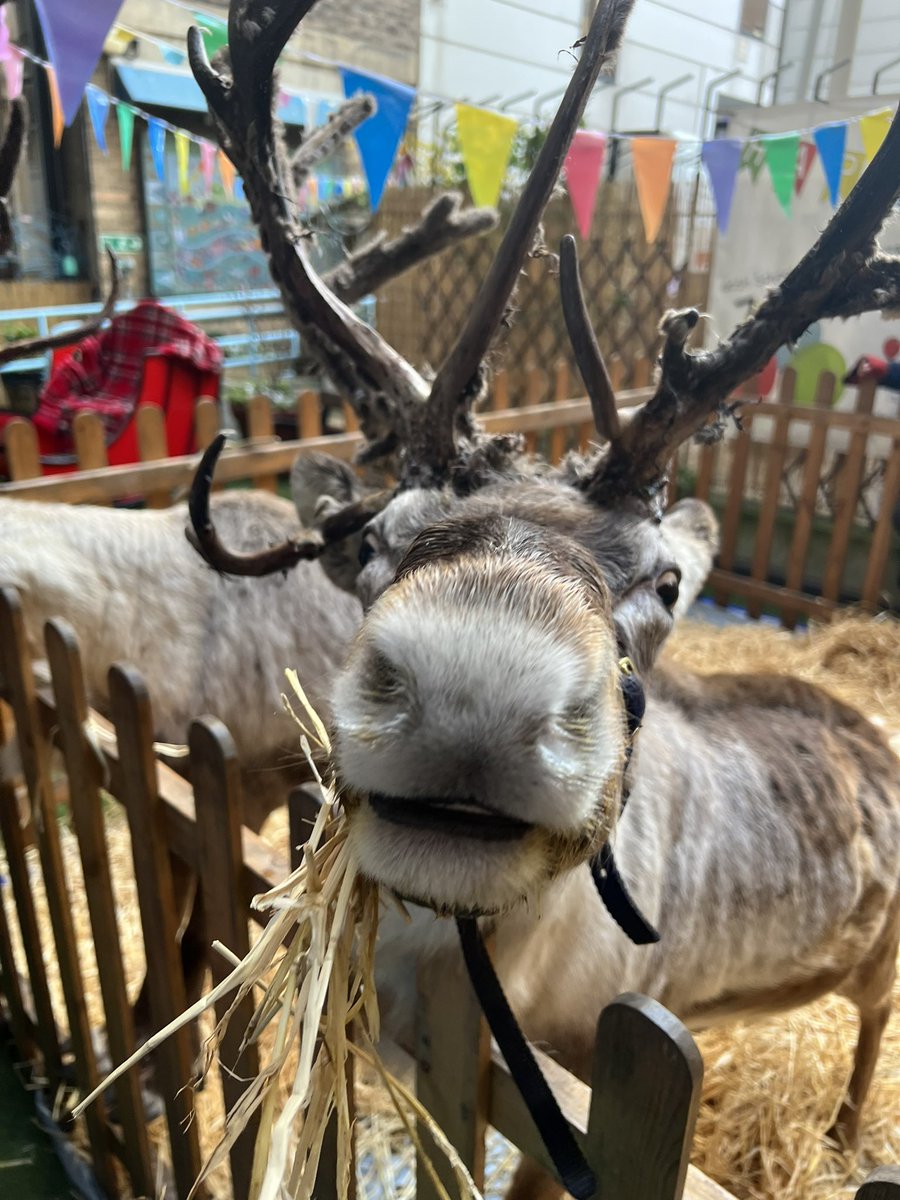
667, 587
368, 548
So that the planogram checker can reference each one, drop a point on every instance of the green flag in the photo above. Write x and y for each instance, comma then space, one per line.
125, 117
781, 159
215, 32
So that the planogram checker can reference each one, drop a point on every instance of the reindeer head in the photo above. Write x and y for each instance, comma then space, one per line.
479, 726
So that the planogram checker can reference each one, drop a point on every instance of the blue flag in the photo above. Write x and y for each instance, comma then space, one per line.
831, 141
722, 158
98, 107
379, 136
156, 132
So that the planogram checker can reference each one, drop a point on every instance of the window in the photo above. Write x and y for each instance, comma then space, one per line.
753, 17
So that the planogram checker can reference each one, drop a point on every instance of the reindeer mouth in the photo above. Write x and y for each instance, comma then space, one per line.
457, 818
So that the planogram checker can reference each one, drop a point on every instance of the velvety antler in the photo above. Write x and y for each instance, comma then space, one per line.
841, 276
53, 341
322, 143
584, 344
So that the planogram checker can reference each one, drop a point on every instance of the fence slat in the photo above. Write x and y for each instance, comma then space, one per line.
153, 447
83, 769
768, 513
883, 1184
561, 387
847, 497
645, 1095
206, 421
261, 427
535, 389
351, 421
309, 415
34, 749
880, 546
500, 391
23, 457
453, 1059
139, 792
21, 1022
215, 774
731, 518
805, 509
705, 470
89, 437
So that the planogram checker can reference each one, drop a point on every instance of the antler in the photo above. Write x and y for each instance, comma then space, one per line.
53, 341
841, 276
584, 344
203, 537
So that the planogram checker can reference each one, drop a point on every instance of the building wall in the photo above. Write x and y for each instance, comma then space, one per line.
813, 42
475, 48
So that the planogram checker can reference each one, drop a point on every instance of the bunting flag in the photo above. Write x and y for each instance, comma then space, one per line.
873, 130
98, 110
207, 165
173, 57
14, 70
227, 173
125, 119
781, 159
583, 166
117, 41
378, 137
486, 140
183, 158
653, 158
215, 32
57, 116
75, 34
805, 157
156, 132
831, 142
722, 158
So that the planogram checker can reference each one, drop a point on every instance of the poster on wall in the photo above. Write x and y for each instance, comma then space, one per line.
764, 242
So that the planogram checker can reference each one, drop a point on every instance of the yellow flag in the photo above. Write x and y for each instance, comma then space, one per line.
56, 111
873, 130
485, 139
183, 156
653, 159
228, 173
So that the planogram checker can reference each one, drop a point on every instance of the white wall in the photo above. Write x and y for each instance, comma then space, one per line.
811, 42
475, 48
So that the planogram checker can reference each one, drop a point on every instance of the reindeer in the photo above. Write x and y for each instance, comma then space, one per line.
479, 724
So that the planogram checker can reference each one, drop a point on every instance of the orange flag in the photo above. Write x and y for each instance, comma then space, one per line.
228, 173
59, 123
653, 159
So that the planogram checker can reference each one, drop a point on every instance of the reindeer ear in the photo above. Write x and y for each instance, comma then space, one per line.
314, 476
691, 532
642, 624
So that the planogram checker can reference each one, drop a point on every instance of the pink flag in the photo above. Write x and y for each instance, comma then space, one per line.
583, 166
12, 69
207, 165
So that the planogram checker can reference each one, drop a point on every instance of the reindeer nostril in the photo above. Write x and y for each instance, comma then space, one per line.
384, 680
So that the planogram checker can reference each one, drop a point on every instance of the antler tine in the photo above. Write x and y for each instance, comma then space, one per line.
54, 340
377, 380
842, 275
452, 390
202, 535
584, 344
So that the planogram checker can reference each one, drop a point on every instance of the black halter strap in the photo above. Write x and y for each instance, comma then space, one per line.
568, 1159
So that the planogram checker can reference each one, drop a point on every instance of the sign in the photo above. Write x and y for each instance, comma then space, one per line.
122, 243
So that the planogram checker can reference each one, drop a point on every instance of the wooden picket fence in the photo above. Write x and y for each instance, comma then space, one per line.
635, 1123
806, 495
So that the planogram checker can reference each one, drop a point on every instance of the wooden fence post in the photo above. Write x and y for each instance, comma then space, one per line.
500, 391
34, 750
215, 775
847, 497
883, 1184
152, 447
206, 422
309, 415
89, 437
644, 1100
261, 428
453, 1058
883, 532
153, 873
731, 518
23, 459
768, 513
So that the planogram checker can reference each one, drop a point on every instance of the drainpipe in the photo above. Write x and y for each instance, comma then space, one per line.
661, 98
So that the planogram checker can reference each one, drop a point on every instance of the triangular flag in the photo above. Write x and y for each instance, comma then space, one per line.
98, 109
227, 172
156, 132
805, 156
5, 48
486, 140
215, 32
183, 158
854, 165
172, 56
653, 158
873, 130
583, 165
207, 165
378, 137
831, 142
125, 118
781, 159
75, 34
722, 157
57, 117
13, 69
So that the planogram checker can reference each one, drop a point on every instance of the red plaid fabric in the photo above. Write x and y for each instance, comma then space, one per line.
104, 373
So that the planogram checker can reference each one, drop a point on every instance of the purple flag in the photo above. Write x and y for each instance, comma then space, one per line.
722, 158
75, 34
831, 141
379, 136
156, 132
98, 108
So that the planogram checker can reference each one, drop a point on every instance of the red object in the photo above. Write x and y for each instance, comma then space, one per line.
867, 367
891, 348
149, 355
